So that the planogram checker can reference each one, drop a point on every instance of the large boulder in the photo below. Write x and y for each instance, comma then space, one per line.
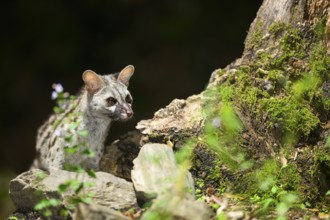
156, 172
27, 189
156, 175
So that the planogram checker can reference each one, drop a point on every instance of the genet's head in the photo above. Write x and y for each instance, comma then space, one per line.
108, 95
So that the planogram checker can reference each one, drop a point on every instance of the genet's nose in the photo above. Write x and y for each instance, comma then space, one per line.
129, 113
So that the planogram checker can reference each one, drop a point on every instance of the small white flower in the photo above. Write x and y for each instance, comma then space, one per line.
54, 95
216, 122
57, 133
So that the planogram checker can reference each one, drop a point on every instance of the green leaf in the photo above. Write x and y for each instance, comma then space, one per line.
91, 173
64, 212
265, 184
89, 153
90, 195
215, 206
41, 175
282, 208
73, 125
230, 121
87, 200
41, 205
266, 203
54, 202
75, 184
328, 142
63, 187
72, 150
68, 138
57, 109
89, 184
222, 216
78, 187
328, 193
73, 168
47, 213
290, 198
274, 189
83, 133
246, 164
76, 200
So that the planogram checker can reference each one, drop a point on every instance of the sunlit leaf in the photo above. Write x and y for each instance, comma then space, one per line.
63, 187
47, 213
328, 142
83, 133
89, 153
91, 173
68, 138
290, 198
328, 193
282, 208
72, 150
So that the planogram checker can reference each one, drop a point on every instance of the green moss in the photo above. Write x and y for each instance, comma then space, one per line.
257, 35
309, 85
277, 28
293, 110
320, 28
322, 155
289, 178
292, 43
245, 92
291, 115
298, 93
277, 76
314, 176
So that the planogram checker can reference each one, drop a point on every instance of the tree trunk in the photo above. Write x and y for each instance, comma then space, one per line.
280, 91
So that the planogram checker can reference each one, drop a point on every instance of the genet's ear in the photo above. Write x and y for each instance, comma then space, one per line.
126, 74
92, 81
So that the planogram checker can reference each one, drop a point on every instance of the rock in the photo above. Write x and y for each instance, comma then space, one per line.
109, 191
22, 189
118, 157
235, 215
155, 172
179, 115
169, 206
97, 212
157, 176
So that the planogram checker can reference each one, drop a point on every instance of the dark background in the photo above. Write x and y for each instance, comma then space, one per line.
174, 46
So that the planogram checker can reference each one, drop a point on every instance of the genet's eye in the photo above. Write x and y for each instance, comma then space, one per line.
111, 101
128, 99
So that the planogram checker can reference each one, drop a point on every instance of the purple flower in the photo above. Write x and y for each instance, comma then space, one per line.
58, 88
54, 95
